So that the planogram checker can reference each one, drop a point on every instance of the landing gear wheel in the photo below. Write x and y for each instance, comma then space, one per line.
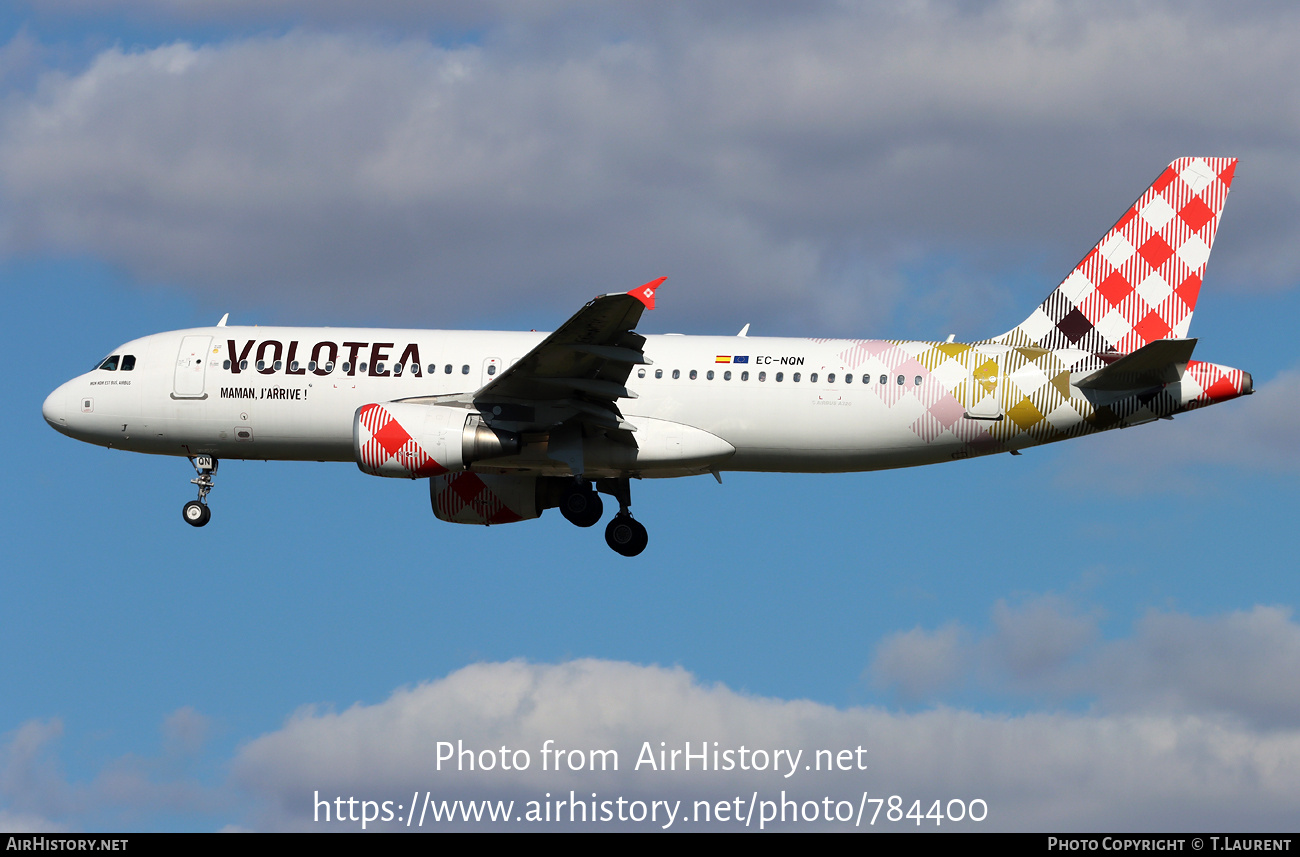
626, 535
196, 514
581, 506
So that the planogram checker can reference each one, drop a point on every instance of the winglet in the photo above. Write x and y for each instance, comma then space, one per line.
646, 294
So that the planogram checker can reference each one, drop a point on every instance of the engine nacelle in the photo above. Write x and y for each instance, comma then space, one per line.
409, 441
473, 498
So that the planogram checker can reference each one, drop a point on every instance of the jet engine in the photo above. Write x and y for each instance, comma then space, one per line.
410, 441
487, 499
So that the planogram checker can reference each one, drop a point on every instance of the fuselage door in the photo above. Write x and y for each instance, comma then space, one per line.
191, 367
985, 393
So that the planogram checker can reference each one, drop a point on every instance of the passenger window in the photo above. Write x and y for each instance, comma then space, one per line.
900, 380
243, 365
726, 376
694, 374
780, 376
362, 367
397, 369
795, 377
677, 373
347, 367
311, 366
261, 364
744, 376
640, 373
492, 369
278, 364
464, 369
918, 380
659, 373
329, 367
128, 363
447, 369
812, 379
884, 379
293, 367
110, 364
848, 378
225, 364
830, 379
709, 375
762, 376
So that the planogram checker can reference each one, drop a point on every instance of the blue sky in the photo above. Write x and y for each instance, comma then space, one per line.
313, 168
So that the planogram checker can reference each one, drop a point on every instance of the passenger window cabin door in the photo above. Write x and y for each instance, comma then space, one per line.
191, 368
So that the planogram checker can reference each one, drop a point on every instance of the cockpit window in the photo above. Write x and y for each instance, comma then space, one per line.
128, 362
110, 363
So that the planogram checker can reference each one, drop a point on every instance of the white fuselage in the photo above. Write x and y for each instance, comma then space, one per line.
783, 404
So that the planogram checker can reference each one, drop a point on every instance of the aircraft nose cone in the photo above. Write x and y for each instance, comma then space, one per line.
55, 409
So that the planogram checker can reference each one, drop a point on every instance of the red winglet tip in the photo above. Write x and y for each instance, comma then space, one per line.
646, 294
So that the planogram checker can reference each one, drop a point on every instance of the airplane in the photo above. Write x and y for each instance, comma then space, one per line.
506, 425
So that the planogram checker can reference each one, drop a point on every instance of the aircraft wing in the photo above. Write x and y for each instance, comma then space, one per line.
579, 372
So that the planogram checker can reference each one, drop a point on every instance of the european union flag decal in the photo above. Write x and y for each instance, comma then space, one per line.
744, 359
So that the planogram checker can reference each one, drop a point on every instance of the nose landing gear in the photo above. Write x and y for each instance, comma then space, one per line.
196, 512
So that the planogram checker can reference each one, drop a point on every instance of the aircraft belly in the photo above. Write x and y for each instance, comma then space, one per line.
794, 429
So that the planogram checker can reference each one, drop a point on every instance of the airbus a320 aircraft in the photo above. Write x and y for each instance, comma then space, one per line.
506, 425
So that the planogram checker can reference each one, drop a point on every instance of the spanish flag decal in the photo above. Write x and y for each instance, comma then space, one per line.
723, 358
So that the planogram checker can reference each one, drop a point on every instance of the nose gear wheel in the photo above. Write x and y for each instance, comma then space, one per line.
196, 512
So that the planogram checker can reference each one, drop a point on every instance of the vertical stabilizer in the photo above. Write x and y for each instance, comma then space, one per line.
1140, 283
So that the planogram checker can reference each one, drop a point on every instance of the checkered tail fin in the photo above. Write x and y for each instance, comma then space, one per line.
1139, 284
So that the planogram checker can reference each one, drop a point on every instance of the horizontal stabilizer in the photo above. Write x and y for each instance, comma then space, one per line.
1160, 362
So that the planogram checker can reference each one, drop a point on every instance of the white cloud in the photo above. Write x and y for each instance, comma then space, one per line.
918, 662
1036, 772
37, 795
31, 783
1246, 664
1194, 727
1036, 639
797, 159
1243, 665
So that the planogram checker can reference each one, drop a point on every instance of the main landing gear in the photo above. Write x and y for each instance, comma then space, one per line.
196, 512
624, 533
581, 505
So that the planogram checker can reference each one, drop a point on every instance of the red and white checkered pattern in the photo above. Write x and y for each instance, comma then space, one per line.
1215, 383
468, 498
385, 448
1140, 282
